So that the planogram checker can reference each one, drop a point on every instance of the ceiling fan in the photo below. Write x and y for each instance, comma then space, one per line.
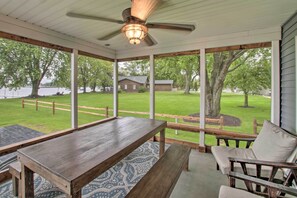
135, 22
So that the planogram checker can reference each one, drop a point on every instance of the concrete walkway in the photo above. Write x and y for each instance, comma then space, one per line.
202, 180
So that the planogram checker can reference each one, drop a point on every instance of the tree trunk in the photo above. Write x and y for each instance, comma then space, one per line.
85, 87
35, 87
246, 99
215, 80
94, 87
213, 100
188, 84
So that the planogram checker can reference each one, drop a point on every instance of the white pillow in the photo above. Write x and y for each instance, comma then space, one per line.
274, 143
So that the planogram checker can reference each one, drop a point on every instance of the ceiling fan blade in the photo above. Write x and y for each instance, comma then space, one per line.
149, 40
172, 26
82, 16
143, 8
111, 35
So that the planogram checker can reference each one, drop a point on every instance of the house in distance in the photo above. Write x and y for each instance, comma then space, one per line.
134, 83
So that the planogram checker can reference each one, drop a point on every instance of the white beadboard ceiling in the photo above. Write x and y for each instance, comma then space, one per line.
211, 17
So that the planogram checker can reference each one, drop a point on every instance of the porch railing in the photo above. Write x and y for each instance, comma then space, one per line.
5, 175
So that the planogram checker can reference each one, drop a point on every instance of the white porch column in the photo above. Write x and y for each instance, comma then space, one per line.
202, 99
275, 83
296, 83
74, 70
152, 87
115, 89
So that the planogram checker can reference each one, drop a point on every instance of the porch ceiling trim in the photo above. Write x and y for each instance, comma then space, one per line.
31, 33
209, 50
33, 41
213, 43
133, 58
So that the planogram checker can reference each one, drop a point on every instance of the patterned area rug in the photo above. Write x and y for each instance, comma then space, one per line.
114, 183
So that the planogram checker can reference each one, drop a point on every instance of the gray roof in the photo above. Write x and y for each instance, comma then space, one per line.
13, 134
139, 79
163, 82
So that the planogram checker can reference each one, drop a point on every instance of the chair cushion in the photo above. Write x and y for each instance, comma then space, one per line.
273, 143
221, 154
228, 192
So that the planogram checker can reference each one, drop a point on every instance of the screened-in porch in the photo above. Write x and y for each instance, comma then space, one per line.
151, 31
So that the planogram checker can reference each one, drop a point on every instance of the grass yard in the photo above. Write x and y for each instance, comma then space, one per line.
166, 102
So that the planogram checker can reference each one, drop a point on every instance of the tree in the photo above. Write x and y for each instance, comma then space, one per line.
253, 76
84, 71
218, 66
62, 75
106, 75
189, 69
195, 85
183, 70
22, 64
134, 68
167, 68
92, 73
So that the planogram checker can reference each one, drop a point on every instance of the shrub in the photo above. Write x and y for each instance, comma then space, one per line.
141, 89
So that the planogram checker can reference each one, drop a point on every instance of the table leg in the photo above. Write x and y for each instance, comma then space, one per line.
27, 182
15, 186
76, 194
162, 142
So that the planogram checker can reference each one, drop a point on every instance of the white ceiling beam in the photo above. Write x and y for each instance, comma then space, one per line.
240, 38
20, 28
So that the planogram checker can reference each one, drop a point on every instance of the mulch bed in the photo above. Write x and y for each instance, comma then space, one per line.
228, 120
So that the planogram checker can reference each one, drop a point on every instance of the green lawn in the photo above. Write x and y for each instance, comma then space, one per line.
166, 102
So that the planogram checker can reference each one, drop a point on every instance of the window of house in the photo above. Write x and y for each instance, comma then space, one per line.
126, 87
134, 87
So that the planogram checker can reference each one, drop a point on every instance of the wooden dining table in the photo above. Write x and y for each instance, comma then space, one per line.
72, 161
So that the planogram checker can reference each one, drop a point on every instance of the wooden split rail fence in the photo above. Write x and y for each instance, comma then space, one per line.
63, 107
66, 107
177, 126
255, 126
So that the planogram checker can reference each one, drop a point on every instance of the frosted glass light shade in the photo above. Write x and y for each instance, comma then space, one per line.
135, 32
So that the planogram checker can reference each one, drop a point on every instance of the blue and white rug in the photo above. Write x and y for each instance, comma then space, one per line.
114, 183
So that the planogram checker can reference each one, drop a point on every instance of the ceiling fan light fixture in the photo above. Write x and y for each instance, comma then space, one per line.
135, 32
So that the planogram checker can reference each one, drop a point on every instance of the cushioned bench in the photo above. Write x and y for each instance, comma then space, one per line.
162, 177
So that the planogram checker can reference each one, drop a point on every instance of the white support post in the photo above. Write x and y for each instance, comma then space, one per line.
202, 98
176, 121
74, 103
152, 87
275, 83
115, 89
296, 83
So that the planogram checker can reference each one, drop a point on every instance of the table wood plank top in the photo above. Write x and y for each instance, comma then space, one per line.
80, 157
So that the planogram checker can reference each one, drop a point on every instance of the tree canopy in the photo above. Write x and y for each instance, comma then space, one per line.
183, 70
253, 76
23, 64
92, 73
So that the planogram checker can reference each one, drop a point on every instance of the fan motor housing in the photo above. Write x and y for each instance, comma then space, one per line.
128, 18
